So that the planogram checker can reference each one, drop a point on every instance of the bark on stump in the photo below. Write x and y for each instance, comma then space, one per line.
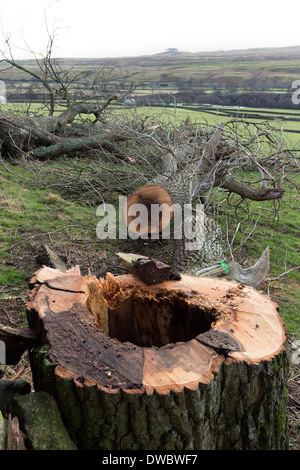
192, 364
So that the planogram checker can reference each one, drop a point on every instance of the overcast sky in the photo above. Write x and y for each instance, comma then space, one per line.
115, 28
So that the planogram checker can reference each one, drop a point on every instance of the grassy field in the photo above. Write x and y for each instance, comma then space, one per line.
287, 120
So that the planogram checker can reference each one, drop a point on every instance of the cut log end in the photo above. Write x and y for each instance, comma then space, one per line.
157, 214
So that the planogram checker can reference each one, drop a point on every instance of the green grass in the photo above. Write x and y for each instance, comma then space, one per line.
216, 115
29, 217
11, 276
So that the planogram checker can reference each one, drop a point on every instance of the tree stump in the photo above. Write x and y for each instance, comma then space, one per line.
197, 363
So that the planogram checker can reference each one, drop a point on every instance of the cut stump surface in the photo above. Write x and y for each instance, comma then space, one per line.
215, 347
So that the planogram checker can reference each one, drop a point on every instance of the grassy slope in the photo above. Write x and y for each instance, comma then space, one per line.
26, 214
242, 65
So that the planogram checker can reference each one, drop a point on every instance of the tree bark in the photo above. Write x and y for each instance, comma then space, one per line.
19, 135
192, 364
246, 191
27, 135
15, 440
69, 146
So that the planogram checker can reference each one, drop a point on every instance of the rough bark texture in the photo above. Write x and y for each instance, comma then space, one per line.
223, 388
264, 194
15, 440
40, 419
20, 135
69, 146
243, 407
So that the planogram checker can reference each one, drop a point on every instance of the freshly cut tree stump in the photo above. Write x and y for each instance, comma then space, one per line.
192, 364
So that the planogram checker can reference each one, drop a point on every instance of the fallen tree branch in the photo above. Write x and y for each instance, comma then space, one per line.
68, 116
68, 146
245, 191
252, 276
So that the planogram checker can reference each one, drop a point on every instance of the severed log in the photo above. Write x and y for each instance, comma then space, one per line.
192, 364
157, 214
149, 270
19, 135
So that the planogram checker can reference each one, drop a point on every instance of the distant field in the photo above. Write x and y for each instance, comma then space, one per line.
288, 120
257, 70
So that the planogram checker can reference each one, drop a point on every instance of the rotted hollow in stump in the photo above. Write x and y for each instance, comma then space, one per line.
192, 364
147, 319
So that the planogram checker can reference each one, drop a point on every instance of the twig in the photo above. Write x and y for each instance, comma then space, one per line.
47, 234
282, 274
17, 374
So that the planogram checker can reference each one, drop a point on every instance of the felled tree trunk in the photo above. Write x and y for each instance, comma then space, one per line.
196, 363
40, 138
